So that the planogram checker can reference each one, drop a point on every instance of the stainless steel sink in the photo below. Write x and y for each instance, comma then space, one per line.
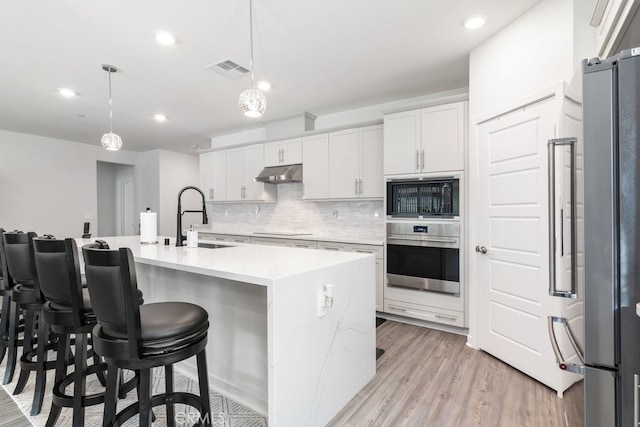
213, 245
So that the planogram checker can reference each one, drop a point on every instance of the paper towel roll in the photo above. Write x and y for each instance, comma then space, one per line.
148, 227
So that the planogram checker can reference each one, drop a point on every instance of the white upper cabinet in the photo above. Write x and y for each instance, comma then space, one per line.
443, 136
285, 152
371, 149
355, 159
402, 143
228, 175
315, 170
427, 140
213, 176
344, 172
243, 164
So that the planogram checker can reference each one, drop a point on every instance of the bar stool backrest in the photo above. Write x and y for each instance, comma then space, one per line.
5, 279
113, 289
18, 251
59, 274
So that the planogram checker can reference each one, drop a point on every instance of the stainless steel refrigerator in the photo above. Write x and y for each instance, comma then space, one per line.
611, 126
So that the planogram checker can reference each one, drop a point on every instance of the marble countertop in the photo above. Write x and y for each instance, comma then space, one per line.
256, 264
308, 235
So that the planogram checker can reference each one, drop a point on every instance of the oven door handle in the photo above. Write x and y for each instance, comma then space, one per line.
425, 243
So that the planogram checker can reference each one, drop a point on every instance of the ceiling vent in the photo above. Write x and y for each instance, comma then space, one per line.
229, 69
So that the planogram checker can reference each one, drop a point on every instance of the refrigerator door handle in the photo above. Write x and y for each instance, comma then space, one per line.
565, 366
636, 387
551, 146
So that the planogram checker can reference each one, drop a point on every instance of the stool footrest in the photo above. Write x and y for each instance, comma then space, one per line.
179, 397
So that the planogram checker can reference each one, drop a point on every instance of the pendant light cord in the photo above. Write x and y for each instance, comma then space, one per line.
110, 105
251, 38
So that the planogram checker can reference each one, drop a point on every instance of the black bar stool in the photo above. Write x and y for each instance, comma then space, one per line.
140, 337
18, 250
67, 309
10, 319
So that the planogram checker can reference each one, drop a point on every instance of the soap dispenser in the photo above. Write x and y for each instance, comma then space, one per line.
192, 237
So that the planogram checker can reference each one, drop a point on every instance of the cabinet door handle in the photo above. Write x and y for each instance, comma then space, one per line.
211, 193
441, 316
329, 248
281, 155
418, 160
422, 158
397, 308
360, 185
356, 190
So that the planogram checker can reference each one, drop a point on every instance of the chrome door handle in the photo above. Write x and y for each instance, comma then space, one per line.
565, 366
418, 160
551, 147
481, 249
422, 158
211, 194
360, 186
356, 190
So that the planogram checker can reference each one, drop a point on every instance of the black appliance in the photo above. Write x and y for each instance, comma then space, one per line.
423, 198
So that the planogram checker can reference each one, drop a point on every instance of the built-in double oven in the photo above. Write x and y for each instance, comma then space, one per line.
423, 234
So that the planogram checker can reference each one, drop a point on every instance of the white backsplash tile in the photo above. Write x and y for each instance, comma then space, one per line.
348, 219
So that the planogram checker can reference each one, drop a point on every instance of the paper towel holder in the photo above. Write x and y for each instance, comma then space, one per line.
153, 242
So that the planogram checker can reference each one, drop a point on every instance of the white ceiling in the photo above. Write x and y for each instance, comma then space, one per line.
321, 56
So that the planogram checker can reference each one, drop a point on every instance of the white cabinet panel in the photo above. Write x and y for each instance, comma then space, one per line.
371, 149
285, 152
206, 175
442, 134
235, 174
402, 142
219, 176
315, 171
344, 158
253, 164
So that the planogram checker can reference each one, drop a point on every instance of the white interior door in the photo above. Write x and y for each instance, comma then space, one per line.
513, 227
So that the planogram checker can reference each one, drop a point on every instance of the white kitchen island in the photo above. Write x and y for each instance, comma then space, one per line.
270, 347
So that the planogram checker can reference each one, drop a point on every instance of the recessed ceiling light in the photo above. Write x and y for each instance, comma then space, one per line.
160, 117
165, 38
474, 22
67, 93
264, 85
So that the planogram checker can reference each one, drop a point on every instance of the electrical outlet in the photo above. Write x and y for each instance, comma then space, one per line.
322, 309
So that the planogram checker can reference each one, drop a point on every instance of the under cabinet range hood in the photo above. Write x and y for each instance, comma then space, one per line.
280, 174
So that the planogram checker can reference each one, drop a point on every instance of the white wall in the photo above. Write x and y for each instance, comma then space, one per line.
533, 53
50, 186
177, 171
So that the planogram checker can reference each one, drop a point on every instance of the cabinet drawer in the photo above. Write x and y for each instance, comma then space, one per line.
330, 246
453, 318
213, 236
310, 244
269, 241
368, 249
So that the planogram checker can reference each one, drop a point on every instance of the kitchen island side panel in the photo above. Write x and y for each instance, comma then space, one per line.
318, 364
237, 346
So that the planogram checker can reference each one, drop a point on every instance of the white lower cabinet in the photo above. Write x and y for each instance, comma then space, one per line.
368, 249
430, 314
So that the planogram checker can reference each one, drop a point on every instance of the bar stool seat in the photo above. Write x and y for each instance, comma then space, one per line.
140, 337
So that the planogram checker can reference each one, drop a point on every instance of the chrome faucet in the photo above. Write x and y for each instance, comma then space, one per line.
180, 238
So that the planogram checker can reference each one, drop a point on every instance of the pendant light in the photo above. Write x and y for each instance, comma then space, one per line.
252, 101
111, 141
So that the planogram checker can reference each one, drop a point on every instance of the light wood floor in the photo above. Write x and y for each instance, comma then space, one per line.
431, 378
428, 378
